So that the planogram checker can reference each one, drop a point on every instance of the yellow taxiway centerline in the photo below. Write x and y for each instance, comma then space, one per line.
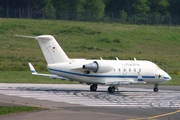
158, 116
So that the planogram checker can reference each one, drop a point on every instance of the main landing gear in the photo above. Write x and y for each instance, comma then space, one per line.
156, 88
111, 89
93, 87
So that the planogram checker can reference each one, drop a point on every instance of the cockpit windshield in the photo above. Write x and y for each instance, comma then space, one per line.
157, 67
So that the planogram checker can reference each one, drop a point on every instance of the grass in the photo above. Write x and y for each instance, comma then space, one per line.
17, 109
159, 44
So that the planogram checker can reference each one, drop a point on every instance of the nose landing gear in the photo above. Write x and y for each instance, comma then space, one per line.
156, 88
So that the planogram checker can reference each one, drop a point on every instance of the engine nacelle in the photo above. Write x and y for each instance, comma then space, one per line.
98, 67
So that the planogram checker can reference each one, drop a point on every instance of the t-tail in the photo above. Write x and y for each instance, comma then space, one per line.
52, 51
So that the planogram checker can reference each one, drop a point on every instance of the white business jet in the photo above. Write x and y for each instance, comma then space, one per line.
94, 72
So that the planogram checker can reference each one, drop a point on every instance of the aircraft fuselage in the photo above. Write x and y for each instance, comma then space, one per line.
132, 71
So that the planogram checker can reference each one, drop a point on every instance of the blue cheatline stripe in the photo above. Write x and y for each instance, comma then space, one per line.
148, 76
105, 76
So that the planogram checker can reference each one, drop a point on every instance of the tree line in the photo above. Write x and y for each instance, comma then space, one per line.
97, 8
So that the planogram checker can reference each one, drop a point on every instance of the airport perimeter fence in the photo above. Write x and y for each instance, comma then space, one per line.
90, 16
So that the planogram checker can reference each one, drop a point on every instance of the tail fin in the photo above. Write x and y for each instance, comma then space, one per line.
52, 51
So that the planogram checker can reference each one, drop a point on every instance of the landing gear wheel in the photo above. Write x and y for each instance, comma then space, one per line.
111, 89
93, 87
156, 89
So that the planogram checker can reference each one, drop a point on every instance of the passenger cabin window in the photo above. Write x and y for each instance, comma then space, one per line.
129, 69
139, 69
134, 69
119, 69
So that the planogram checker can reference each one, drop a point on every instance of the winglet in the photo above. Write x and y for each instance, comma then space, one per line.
33, 71
25, 36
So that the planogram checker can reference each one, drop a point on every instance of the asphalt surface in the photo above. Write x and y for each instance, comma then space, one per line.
76, 102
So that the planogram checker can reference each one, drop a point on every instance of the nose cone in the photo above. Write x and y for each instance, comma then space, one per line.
166, 76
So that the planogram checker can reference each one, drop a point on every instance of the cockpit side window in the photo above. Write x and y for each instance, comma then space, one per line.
157, 67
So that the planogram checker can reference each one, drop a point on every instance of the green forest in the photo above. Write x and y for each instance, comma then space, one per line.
151, 12
98, 8
167, 7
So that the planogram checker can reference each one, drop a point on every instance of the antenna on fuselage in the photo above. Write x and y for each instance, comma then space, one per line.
134, 59
101, 58
117, 58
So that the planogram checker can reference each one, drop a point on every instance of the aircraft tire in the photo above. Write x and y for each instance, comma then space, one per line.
156, 89
111, 89
93, 87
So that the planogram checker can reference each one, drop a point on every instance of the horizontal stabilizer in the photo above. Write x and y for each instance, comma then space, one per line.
33, 71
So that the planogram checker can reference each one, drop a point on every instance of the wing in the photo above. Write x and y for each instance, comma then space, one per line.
139, 80
125, 82
33, 72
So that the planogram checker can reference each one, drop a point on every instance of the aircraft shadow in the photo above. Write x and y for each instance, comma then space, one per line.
76, 92
65, 90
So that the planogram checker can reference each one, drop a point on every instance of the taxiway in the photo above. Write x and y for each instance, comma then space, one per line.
77, 102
